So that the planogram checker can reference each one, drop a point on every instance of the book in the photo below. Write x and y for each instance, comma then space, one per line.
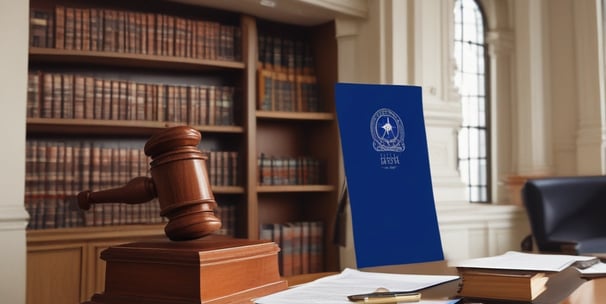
387, 172
512, 285
517, 276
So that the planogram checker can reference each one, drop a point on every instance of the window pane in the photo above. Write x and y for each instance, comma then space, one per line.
470, 78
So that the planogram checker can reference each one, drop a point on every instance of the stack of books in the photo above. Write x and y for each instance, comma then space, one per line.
518, 276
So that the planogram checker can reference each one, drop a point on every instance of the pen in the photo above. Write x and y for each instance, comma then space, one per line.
386, 297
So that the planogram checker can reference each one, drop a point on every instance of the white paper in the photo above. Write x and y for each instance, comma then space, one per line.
513, 260
336, 288
597, 270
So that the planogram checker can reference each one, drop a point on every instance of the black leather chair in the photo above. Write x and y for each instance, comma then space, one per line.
567, 214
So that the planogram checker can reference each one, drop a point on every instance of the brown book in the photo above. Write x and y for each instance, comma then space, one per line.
170, 114
109, 30
46, 110
57, 95
513, 285
286, 244
212, 105
141, 28
151, 102
39, 22
115, 99
77, 28
121, 31
212, 40
89, 97
79, 96
161, 104
265, 90
68, 96
189, 38
132, 46
98, 99
140, 101
305, 247
131, 101
123, 108
86, 31
316, 243
59, 27
96, 29
198, 39
194, 110
151, 33
70, 30
170, 35
180, 37
33, 94
50, 197
107, 99
203, 108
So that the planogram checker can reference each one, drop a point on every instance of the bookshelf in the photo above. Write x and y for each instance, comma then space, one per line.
292, 133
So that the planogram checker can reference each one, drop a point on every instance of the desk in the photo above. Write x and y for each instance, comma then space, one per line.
565, 288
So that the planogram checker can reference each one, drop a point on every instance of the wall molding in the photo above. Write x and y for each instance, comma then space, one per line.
13, 218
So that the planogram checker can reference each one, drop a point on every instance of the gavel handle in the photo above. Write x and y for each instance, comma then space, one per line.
138, 190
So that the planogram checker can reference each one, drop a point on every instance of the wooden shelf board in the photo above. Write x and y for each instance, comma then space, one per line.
130, 60
124, 127
295, 115
295, 188
227, 190
93, 233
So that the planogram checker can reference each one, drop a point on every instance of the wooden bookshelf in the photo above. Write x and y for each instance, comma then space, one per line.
290, 134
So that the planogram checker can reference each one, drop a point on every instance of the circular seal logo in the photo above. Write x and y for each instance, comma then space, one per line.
387, 130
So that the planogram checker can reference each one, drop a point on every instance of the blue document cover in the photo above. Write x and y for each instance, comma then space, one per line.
386, 161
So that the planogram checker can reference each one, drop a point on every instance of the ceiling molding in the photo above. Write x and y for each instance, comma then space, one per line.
299, 12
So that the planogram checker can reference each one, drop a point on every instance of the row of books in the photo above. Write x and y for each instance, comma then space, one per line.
280, 91
56, 171
302, 170
64, 213
110, 30
286, 79
285, 53
73, 96
301, 245
226, 212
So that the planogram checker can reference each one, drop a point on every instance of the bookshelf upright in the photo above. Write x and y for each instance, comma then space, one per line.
93, 101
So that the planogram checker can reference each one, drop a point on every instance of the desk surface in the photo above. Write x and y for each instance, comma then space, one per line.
566, 288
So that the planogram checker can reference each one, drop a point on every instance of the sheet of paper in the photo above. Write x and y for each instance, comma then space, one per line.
597, 270
513, 260
336, 288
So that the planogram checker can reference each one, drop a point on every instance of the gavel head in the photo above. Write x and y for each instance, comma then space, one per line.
180, 177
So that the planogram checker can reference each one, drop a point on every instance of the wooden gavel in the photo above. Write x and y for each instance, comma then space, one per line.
179, 179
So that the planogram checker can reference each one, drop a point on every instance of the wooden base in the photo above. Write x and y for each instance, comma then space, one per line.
214, 269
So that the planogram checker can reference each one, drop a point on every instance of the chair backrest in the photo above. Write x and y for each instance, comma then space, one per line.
565, 209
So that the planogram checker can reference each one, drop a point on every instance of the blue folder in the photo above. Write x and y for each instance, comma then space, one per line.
384, 147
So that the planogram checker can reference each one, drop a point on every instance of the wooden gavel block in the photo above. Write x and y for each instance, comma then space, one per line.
179, 179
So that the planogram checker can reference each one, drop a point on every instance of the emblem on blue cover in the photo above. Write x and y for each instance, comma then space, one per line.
387, 130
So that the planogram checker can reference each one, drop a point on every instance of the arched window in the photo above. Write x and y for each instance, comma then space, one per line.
471, 79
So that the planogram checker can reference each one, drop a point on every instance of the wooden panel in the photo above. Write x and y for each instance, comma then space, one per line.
54, 274
96, 269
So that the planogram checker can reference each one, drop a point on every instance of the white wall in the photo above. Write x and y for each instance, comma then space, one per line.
13, 59
546, 73
409, 42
